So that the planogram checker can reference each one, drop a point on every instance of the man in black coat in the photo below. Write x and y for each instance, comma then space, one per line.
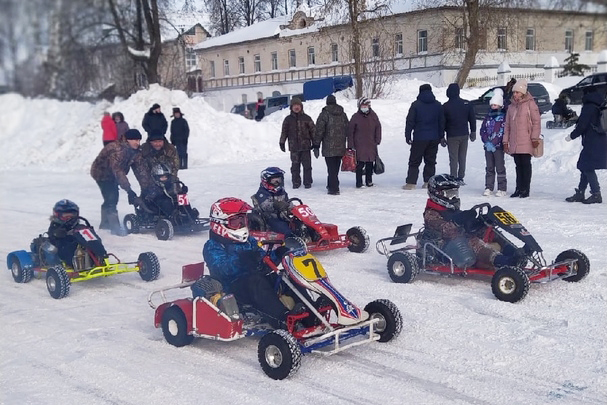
180, 131
459, 114
154, 120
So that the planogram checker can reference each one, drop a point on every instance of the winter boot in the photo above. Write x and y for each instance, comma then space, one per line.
104, 221
114, 224
595, 198
577, 197
516, 193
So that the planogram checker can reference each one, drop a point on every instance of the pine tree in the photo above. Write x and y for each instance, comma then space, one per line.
573, 67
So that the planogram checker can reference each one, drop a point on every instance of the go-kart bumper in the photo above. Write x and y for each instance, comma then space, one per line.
106, 270
555, 271
339, 339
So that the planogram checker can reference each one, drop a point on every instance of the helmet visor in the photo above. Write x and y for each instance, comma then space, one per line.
237, 221
66, 216
451, 193
276, 181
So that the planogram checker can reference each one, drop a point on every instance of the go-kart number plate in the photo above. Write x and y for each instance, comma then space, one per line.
306, 212
309, 267
182, 199
87, 234
506, 218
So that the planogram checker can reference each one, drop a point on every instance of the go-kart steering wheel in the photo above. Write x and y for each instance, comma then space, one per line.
295, 199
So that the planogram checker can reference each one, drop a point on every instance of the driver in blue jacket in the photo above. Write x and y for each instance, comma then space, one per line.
271, 201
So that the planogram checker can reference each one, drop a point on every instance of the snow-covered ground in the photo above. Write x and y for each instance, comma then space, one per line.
459, 344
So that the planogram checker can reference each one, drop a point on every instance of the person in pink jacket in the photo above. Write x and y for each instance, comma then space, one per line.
522, 135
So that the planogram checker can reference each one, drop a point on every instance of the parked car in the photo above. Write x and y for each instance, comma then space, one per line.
539, 93
575, 93
247, 111
277, 103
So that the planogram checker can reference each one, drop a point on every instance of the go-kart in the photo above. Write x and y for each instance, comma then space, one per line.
317, 235
492, 224
336, 323
90, 261
184, 219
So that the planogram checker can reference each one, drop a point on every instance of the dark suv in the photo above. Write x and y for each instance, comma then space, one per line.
247, 111
539, 93
575, 93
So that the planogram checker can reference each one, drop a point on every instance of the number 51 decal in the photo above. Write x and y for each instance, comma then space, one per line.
182, 199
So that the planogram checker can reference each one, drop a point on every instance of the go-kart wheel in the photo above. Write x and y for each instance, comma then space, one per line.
175, 327
403, 267
549, 124
131, 223
57, 282
358, 238
390, 321
279, 354
582, 266
20, 273
164, 229
510, 284
149, 268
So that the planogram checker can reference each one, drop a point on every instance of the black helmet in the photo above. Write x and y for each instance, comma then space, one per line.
65, 212
273, 179
161, 174
443, 189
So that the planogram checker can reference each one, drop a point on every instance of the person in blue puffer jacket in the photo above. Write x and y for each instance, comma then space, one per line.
235, 259
492, 134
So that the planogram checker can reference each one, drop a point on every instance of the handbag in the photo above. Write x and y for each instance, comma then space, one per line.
348, 161
539, 150
378, 166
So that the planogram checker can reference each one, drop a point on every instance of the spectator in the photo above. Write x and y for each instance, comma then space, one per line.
364, 135
154, 120
260, 110
459, 114
331, 134
109, 128
594, 147
180, 132
522, 135
298, 129
424, 132
508, 93
492, 134
121, 125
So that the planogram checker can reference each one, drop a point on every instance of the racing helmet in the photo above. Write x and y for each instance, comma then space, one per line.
161, 174
443, 189
273, 179
65, 212
229, 219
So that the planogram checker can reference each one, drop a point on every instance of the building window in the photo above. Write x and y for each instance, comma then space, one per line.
569, 40
502, 40
460, 39
292, 59
398, 44
257, 63
212, 68
375, 47
589, 41
226, 67
274, 56
240, 64
311, 56
190, 58
334, 53
422, 41
530, 40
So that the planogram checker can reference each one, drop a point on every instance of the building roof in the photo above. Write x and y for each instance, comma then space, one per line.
264, 29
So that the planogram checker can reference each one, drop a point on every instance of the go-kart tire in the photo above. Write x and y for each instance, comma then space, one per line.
175, 327
57, 282
21, 274
164, 229
391, 322
131, 223
403, 267
549, 124
582, 265
149, 268
279, 354
510, 284
358, 238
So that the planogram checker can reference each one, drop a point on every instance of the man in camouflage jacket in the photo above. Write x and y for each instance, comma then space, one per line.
298, 129
154, 151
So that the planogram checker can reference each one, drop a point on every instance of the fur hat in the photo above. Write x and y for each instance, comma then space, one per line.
498, 98
331, 99
176, 110
132, 134
520, 86
424, 87
155, 135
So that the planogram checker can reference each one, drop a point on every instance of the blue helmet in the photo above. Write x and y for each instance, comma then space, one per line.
273, 179
65, 212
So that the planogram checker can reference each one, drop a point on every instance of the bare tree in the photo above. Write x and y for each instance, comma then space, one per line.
224, 17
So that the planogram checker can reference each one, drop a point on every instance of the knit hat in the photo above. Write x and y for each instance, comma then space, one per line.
296, 100
520, 86
331, 100
424, 87
176, 110
155, 135
498, 98
132, 134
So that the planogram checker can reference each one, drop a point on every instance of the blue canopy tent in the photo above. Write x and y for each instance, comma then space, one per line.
321, 88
